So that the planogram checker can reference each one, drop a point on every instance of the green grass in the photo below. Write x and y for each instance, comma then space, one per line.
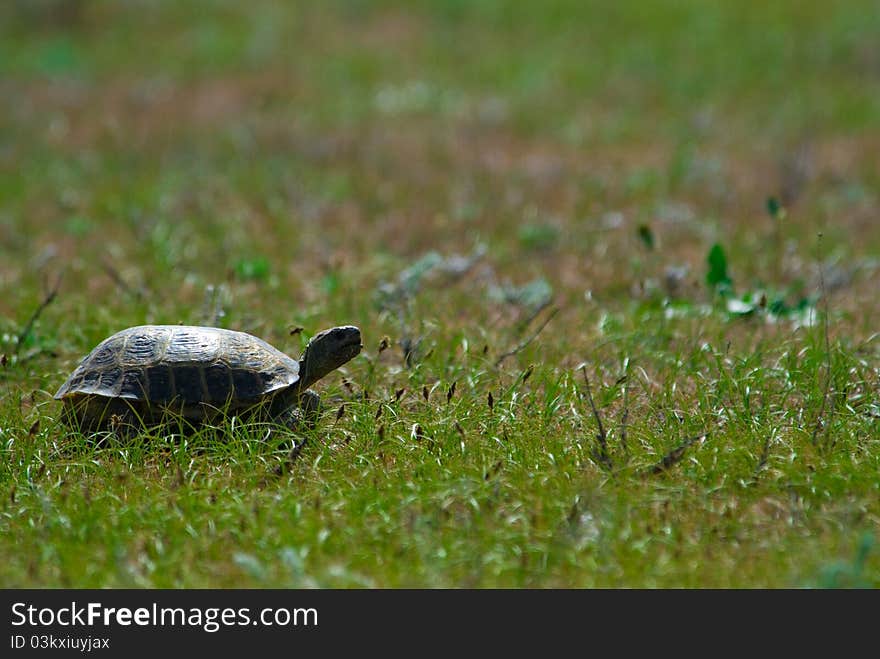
301, 167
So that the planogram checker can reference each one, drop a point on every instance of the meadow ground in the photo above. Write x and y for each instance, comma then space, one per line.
670, 209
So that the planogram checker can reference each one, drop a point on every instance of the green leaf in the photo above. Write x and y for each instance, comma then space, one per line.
330, 282
538, 236
60, 56
717, 277
646, 236
253, 268
78, 225
778, 307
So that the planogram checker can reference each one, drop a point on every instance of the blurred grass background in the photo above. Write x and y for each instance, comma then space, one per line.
291, 164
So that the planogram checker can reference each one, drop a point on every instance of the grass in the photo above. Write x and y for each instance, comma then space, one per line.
513, 201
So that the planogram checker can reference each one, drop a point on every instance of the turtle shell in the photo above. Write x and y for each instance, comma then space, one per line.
194, 367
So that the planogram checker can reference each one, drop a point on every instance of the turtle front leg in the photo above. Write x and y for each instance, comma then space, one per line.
310, 404
303, 415
298, 418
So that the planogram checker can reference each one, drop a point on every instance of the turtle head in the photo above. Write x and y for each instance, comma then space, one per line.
327, 351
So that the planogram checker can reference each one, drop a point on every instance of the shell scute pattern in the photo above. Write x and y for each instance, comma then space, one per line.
138, 349
104, 355
188, 345
158, 364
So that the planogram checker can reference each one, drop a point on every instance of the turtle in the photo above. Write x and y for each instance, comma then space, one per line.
151, 374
